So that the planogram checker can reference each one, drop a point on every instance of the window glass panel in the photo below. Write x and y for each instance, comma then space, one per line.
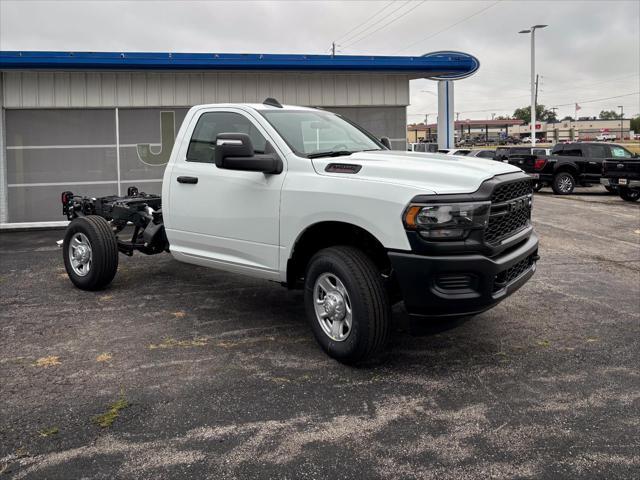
598, 151
210, 125
620, 152
310, 132
571, 152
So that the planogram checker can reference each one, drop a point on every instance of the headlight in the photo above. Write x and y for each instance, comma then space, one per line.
450, 221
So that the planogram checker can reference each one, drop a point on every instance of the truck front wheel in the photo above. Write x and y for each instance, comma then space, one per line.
629, 195
90, 252
346, 304
563, 183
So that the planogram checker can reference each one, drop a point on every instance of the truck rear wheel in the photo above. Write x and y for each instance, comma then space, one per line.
563, 183
629, 195
90, 252
346, 304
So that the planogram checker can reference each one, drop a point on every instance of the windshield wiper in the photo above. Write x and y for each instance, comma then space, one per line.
331, 153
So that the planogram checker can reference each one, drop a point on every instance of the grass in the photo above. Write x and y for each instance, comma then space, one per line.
172, 342
107, 418
47, 361
103, 357
47, 432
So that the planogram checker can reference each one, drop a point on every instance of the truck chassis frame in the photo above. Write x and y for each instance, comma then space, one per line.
142, 210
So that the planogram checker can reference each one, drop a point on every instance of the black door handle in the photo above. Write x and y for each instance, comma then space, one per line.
187, 179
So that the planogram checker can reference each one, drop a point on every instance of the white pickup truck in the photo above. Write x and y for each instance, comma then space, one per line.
306, 198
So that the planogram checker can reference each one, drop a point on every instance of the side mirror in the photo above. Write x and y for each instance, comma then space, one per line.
234, 151
386, 142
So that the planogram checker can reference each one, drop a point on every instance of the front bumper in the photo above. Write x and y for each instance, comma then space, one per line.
459, 285
616, 182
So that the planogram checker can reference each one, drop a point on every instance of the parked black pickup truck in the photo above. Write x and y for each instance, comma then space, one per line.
570, 164
623, 174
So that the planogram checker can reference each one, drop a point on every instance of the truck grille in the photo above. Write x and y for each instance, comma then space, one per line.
510, 210
507, 276
509, 191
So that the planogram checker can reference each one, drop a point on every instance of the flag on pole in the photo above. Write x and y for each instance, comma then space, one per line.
578, 107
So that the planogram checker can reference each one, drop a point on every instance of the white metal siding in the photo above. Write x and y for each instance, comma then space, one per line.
42, 89
3, 169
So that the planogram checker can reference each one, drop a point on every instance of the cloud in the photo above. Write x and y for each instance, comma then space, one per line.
584, 54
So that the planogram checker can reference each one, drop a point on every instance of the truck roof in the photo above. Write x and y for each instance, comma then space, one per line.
257, 106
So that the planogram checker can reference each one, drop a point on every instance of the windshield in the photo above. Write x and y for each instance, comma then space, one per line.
316, 133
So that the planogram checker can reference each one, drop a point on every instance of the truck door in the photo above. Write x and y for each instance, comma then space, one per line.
218, 217
596, 155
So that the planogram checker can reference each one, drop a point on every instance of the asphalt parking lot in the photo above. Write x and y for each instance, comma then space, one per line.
179, 371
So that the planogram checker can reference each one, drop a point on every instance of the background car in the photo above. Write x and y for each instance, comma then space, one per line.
482, 153
454, 151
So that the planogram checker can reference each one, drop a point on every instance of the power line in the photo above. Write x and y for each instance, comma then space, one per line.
391, 22
346, 35
597, 99
449, 27
378, 21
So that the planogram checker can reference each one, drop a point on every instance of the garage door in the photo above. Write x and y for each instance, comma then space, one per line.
88, 151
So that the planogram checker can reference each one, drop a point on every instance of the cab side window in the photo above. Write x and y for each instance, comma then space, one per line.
571, 152
203, 141
599, 151
620, 152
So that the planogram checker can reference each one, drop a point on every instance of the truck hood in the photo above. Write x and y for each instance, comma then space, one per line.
430, 172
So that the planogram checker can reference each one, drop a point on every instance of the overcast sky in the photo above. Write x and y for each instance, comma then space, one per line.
591, 49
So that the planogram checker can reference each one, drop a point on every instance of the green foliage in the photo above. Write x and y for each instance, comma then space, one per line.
609, 115
542, 114
47, 432
107, 418
635, 124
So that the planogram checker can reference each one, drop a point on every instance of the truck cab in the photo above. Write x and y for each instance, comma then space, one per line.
308, 199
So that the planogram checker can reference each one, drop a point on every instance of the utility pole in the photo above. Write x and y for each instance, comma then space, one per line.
621, 107
457, 116
534, 81
333, 49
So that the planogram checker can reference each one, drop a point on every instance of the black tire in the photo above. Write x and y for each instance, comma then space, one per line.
366, 295
611, 189
103, 252
537, 186
563, 183
629, 195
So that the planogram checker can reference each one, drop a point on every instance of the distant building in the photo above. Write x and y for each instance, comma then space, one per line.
566, 130
492, 129
582, 129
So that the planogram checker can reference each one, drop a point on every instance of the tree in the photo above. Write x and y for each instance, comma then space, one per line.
609, 115
568, 117
542, 114
635, 124
502, 117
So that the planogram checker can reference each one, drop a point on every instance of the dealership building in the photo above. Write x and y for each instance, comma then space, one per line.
97, 123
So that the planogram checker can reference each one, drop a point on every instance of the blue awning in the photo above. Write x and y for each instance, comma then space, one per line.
437, 64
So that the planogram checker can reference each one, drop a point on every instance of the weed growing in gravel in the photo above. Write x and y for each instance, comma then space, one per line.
47, 361
103, 357
106, 419
47, 432
172, 342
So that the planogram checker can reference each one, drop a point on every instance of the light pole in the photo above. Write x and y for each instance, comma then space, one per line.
532, 31
621, 107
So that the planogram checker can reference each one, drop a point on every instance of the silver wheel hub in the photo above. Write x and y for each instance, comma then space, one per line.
80, 254
332, 306
565, 184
